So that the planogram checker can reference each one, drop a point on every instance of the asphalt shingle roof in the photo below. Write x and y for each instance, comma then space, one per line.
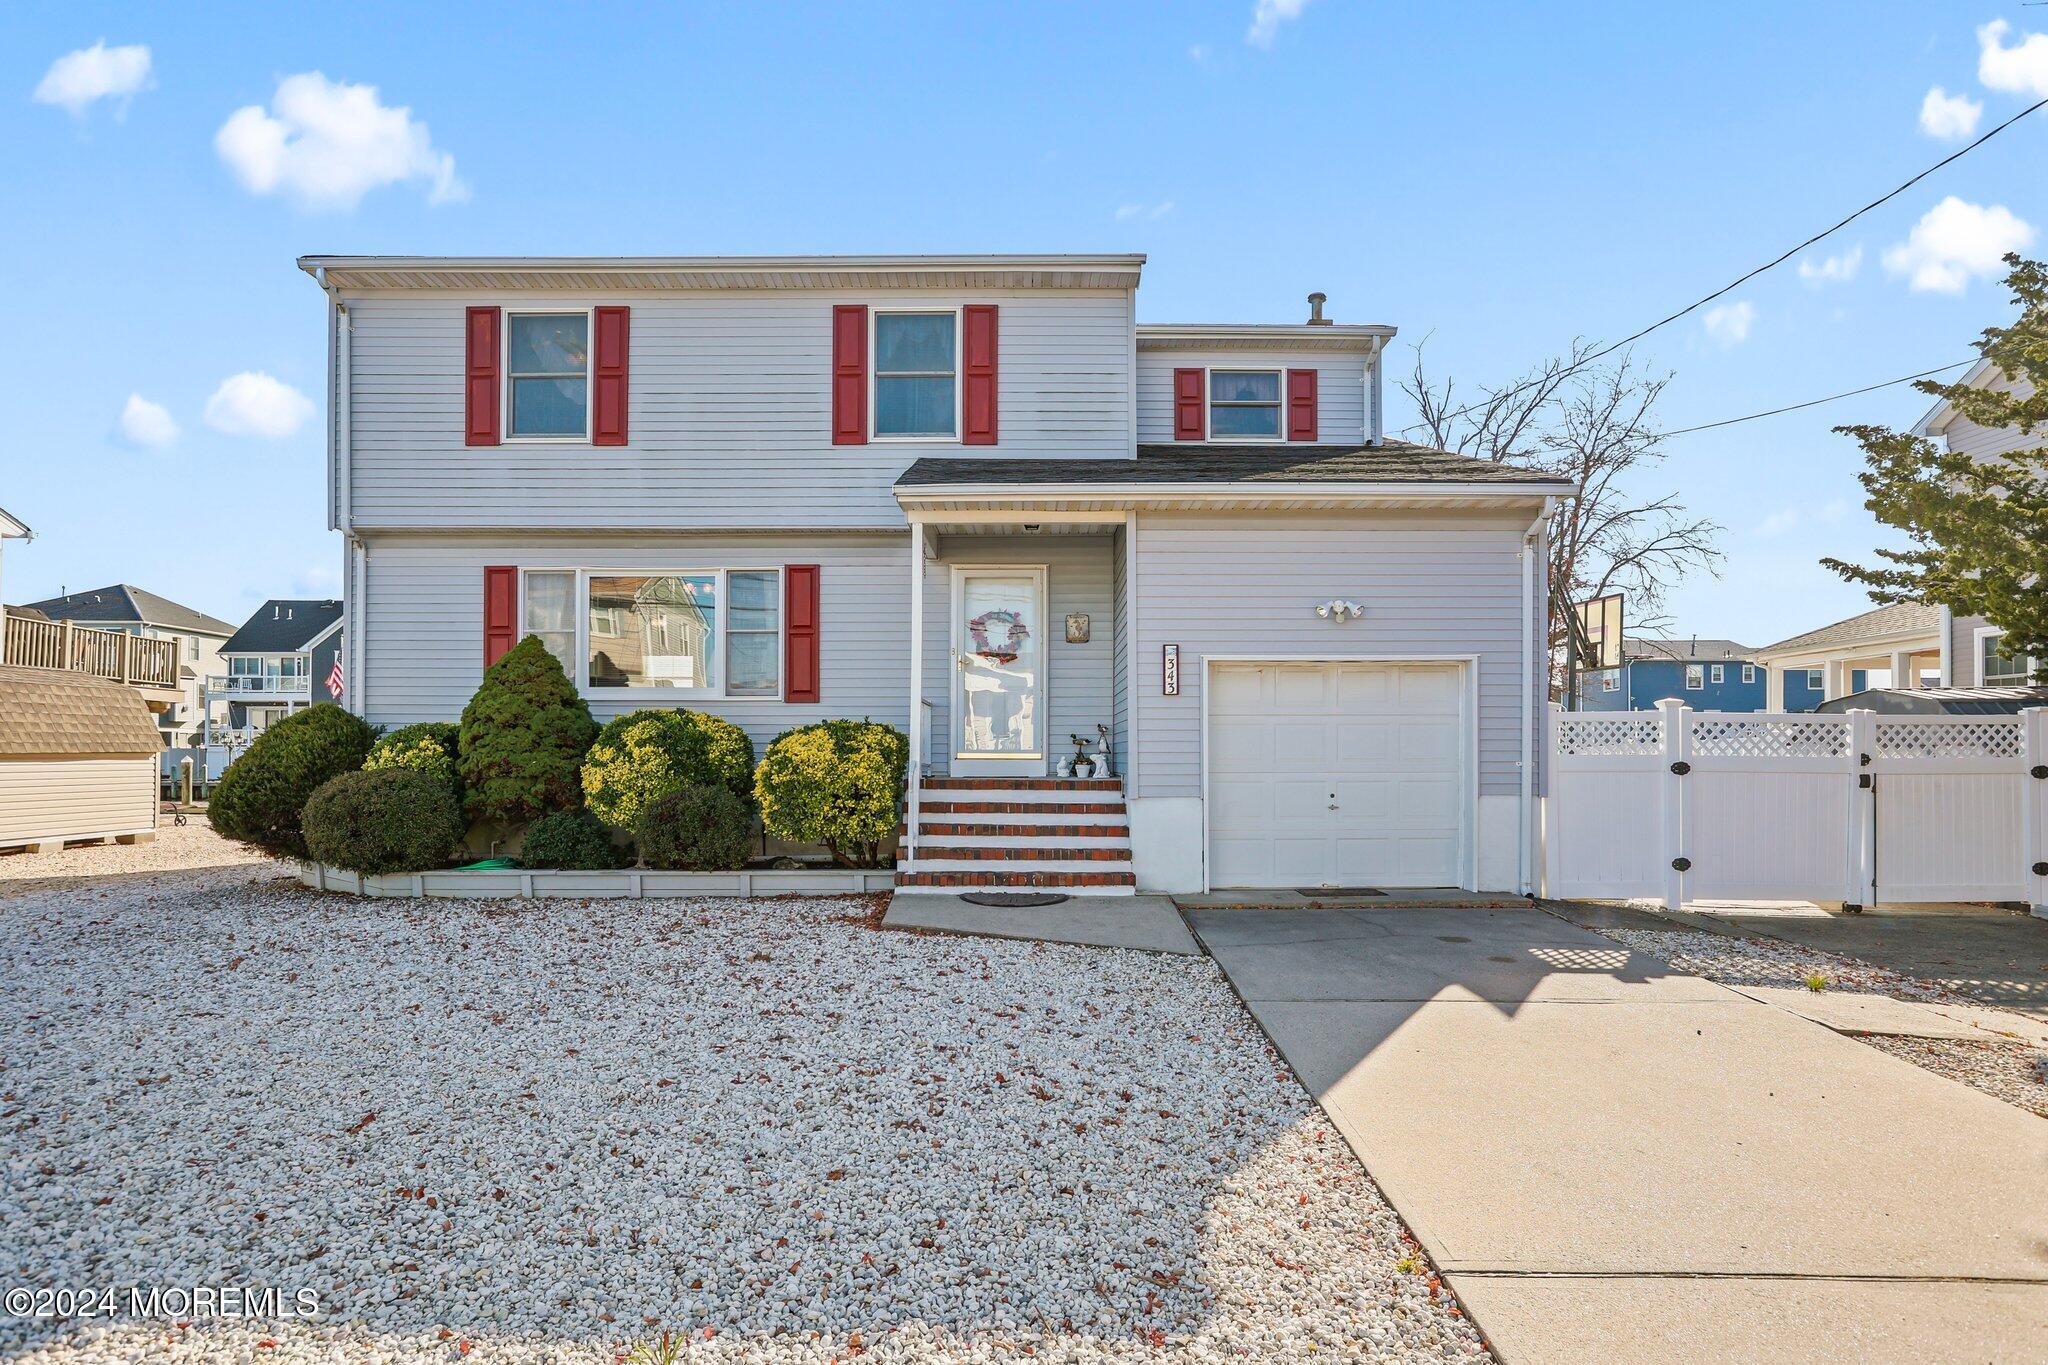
1393, 462
283, 625
1896, 619
122, 603
45, 713
1713, 651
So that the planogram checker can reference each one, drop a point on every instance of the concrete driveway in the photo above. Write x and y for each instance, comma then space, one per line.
1613, 1162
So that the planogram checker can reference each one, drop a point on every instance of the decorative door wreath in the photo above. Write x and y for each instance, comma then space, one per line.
1005, 653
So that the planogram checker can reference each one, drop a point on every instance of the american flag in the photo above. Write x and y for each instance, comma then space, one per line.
334, 679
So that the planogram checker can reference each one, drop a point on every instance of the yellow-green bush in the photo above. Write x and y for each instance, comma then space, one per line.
644, 755
836, 783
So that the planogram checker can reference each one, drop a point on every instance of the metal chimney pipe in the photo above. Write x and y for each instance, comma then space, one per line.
1315, 309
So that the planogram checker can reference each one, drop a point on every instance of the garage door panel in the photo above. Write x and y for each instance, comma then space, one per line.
1386, 744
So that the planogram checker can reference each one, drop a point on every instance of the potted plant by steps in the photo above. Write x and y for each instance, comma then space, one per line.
1084, 766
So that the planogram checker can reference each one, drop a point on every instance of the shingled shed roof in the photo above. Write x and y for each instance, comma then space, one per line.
49, 714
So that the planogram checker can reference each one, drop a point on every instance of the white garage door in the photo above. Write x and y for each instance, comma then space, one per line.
1339, 774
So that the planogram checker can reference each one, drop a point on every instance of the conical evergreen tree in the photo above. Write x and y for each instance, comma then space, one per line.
523, 738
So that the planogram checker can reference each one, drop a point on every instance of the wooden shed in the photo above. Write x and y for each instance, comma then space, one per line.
78, 760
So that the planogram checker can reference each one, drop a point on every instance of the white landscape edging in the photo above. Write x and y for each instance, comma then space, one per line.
624, 884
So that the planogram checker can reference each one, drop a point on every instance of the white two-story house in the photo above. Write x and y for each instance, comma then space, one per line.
975, 498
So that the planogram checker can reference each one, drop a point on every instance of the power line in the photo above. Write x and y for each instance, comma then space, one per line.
1768, 265
1816, 402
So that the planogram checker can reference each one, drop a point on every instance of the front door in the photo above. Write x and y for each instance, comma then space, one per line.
999, 672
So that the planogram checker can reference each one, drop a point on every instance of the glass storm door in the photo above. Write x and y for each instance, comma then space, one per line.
999, 673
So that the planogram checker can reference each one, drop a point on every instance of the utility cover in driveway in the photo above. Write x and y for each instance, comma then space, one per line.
1338, 774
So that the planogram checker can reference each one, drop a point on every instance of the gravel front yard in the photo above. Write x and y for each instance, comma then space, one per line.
2011, 1071
545, 1131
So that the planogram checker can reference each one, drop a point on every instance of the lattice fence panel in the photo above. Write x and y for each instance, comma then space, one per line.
1609, 736
1748, 737
1980, 737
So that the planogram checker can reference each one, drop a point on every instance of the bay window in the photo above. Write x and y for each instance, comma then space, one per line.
710, 632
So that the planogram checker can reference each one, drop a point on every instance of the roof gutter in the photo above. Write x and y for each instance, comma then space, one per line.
1158, 492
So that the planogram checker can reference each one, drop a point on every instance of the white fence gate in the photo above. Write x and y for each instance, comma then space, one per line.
1681, 805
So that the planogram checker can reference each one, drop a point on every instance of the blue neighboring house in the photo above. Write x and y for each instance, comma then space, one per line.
1707, 675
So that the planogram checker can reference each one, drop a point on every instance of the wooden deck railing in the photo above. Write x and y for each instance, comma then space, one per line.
36, 643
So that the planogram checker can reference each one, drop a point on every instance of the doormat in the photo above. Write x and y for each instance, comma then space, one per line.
1014, 900
1338, 891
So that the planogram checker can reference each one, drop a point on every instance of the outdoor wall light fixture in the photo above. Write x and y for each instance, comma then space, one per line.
1337, 609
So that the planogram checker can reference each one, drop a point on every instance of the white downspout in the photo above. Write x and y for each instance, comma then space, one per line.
914, 779
1530, 607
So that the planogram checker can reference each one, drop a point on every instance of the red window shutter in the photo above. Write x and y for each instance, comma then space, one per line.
480, 386
800, 632
1301, 405
978, 374
608, 377
501, 610
1190, 397
849, 375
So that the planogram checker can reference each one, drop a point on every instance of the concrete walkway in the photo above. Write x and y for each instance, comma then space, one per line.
1613, 1162
1148, 922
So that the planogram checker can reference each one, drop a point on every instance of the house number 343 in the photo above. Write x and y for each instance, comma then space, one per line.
1169, 670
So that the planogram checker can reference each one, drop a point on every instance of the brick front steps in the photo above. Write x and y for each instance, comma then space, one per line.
1043, 833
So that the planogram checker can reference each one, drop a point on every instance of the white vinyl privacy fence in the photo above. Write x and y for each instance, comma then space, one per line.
1680, 805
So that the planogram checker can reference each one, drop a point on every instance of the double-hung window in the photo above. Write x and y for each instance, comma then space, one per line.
1816, 679
716, 632
917, 375
1718, 673
1244, 405
1610, 681
1996, 666
1749, 673
1695, 677
547, 375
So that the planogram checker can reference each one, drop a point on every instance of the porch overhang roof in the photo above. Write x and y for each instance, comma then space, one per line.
1395, 474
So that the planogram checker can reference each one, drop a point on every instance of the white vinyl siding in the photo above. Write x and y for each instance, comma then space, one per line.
1079, 678
425, 621
76, 798
1434, 585
729, 412
1340, 388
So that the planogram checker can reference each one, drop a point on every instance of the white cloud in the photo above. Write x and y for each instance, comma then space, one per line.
1267, 16
1126, 212
147, 425
254, 404
2020, 69
1832, 269
1956, 241
1777, 523
77, 79
1952, 117
1199, 52
327, 144
1729, 324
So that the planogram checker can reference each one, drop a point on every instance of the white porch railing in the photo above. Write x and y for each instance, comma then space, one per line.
267, 684
1682, 805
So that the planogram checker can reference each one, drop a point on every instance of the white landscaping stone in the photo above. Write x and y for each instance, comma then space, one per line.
554, 1128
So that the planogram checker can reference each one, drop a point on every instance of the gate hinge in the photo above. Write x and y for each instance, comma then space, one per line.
1681, 864
1864, 781
1681, 767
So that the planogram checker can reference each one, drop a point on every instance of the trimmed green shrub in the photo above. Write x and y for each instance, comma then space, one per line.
574, 840
391, 820
429, 747
260, 797
835, 783
523, 737
697, 829
643, 755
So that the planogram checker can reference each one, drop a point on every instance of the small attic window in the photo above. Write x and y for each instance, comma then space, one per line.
1244, 405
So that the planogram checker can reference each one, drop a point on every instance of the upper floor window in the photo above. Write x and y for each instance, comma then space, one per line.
917, 391
1997, 668
547, 373
1695, 677
1719, 673
1244, 405
1749, 673
1610, 681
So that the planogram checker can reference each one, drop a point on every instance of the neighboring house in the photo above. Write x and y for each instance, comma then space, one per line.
283, 659
78, 760
1707, 675
125, 609
1974, 655
974, 498
1896, 646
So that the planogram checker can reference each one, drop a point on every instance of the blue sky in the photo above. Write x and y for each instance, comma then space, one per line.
1500, 179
